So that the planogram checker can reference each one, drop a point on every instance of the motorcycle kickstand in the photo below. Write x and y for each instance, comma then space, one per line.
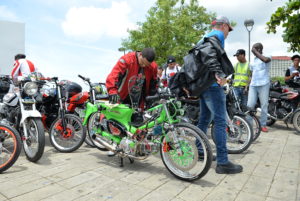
131, 160
121, 161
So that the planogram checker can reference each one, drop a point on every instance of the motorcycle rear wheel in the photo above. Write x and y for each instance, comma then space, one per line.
296, 121
181, 158
11, 145
72, 138
93, 127
240, 138
34, 145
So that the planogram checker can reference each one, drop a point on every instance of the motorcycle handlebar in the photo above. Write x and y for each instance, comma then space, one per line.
84, 78
159, 96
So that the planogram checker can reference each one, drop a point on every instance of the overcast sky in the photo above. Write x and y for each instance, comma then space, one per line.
69, 37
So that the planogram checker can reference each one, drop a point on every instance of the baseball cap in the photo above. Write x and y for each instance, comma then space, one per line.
171, 59
240, 51
222, 20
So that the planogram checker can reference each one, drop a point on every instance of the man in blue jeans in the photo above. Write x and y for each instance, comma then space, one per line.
260, 83
212, 99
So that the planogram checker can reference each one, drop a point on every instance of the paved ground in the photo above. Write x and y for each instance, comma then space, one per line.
271, 173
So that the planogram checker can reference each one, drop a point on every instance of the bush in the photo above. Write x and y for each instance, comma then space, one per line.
280, 79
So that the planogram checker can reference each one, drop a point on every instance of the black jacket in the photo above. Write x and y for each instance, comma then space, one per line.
201, 64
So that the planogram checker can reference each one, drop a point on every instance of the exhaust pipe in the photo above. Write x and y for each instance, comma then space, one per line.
259, 110
103, 143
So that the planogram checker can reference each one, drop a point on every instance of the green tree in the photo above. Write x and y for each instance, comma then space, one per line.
172, 27
288, 17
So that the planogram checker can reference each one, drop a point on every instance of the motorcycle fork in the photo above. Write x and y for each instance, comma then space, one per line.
172, 127
62, 109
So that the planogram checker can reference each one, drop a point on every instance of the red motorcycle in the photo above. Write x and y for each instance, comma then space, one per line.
57, 102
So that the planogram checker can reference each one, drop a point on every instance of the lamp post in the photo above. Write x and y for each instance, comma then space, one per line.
249, 26
122, 49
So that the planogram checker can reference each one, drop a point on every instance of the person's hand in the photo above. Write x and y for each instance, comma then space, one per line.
295, 74
186, 91
220, 81
113, 98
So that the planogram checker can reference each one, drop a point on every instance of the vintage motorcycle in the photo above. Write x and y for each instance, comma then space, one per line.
19, 110
10, 146
56, 103
283, 105
130, 132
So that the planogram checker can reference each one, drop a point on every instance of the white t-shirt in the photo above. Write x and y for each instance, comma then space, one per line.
168, 73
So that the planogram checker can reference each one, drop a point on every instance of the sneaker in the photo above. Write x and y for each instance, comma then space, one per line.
264, 129
110, 153
229, 168
201, 157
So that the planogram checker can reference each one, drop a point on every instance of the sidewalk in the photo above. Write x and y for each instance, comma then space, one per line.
271, 173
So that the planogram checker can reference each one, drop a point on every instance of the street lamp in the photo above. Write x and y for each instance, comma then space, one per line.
249, 26
122, 49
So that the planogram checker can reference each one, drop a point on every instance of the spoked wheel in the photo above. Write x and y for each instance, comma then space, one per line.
10, 147
180, 154
35, 143
296, 121
71, 138
94, 128
239, 135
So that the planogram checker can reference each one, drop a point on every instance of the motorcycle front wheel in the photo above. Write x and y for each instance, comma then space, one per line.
10, 147
35, 143
68, 139
186, 152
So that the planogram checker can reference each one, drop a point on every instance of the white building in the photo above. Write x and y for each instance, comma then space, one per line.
12, 42
279, 65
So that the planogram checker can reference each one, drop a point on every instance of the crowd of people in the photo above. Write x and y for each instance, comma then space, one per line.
250, 81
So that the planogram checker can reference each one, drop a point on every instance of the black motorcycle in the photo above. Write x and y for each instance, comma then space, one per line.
65, 130
283, 105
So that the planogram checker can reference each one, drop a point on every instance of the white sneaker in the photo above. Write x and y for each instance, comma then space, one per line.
110, 153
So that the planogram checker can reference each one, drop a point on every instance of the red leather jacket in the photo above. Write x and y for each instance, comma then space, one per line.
126, 67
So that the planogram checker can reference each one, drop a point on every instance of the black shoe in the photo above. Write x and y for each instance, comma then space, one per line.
229, 168
201, 157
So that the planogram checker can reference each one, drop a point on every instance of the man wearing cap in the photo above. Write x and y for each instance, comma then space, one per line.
260, 83
212, 69
170, 71
292, 73
242, 75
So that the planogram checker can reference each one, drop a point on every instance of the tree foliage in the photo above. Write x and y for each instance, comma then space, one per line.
288, 17
172, 27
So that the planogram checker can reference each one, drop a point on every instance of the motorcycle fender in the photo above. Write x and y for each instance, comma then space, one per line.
90, 108
31, 113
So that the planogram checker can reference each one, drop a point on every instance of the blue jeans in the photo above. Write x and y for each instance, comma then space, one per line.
213, 107
241, 95
261, 92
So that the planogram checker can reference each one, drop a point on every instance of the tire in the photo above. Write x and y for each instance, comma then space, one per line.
270, 121
296, 121
72, 139
88, 141
188, 166
34, 145
11, 145
92, 127
240, 138
256, 126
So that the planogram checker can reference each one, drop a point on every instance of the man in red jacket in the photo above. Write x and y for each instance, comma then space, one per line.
132, 64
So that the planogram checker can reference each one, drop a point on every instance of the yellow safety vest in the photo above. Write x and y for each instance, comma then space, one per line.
241, 74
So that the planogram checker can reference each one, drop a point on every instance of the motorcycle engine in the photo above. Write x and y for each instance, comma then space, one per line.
141, 148
280, 109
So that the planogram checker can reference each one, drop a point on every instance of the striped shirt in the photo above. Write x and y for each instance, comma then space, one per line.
22, 67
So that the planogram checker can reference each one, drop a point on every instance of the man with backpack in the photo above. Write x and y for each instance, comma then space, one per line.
204, 73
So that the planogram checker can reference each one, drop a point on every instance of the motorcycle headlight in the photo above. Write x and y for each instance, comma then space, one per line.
30, 88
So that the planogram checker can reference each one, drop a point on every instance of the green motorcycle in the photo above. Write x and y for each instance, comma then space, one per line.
134, 134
